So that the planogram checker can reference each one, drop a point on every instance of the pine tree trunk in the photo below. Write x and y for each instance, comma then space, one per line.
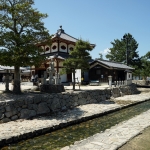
16, 86
74, 79
7, 82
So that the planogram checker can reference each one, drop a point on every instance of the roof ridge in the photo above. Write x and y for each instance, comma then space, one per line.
70, 35
112, 61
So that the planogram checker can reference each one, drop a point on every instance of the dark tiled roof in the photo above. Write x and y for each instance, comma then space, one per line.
112, 64
61, 34
58, 55
10, 68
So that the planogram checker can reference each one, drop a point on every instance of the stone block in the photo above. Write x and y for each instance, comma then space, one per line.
24, 106
81, 101
37, 99
24, 113
2, 103
30, 106
8, 114
43, 108
35, 107
1, 115
20, 102
4, 120
32, 113
14, 117
29, 100
55, 105
9, 107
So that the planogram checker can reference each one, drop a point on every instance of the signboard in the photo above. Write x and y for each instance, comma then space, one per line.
77, 75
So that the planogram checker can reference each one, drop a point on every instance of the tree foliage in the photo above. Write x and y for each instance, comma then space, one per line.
79, 58
21, 29
100, 57
145, 69
119, 50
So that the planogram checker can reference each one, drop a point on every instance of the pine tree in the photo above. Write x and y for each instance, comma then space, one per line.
119, 51
79, 58
145, 69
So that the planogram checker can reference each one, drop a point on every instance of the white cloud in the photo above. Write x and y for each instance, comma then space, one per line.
105, 51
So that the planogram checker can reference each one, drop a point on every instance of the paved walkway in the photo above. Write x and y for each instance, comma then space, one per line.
114, 137
29, 86
24, 86
118, 135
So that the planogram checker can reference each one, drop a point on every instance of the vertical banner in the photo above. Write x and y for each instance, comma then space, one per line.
77, 75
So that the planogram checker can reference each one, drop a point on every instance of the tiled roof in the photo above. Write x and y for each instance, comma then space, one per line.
58, 55
1, 69
112, 64
61, 34
10, 68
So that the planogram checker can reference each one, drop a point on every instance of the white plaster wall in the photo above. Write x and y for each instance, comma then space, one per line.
46, 52
62, 50
54, 50
129, 76
63, 78
61, 64
128, 82
42, 47
70, 45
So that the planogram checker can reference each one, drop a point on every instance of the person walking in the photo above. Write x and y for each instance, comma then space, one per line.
32, 78
36, 78
3, 79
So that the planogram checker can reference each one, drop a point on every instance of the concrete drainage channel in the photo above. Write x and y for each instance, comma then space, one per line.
144, 105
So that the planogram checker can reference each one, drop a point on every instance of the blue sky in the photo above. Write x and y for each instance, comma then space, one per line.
99, 21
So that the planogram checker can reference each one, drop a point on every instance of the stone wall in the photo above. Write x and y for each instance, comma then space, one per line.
124, 90
31, 105
140, 82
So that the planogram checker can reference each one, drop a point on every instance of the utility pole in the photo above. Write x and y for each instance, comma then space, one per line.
128, 40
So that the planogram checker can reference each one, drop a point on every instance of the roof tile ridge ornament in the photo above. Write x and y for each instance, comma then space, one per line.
60, 30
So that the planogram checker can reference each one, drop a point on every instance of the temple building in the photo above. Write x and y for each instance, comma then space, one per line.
62, 44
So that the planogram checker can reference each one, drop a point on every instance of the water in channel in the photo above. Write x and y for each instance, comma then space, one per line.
67, 136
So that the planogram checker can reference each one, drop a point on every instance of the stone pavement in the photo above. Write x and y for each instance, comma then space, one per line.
24, 86
110, 139
118, 135
29, 86
114, 137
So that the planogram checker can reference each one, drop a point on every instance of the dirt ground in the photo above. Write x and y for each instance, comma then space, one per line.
140, 142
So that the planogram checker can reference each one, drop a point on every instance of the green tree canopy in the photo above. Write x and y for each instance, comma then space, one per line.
79, 58
145, 69
100, 57
119, 50
21, 30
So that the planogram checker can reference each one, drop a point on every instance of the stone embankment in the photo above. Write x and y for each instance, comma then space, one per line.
21, 129
30, 105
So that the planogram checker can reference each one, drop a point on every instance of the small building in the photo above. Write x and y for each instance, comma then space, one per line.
4, 70
101, 69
